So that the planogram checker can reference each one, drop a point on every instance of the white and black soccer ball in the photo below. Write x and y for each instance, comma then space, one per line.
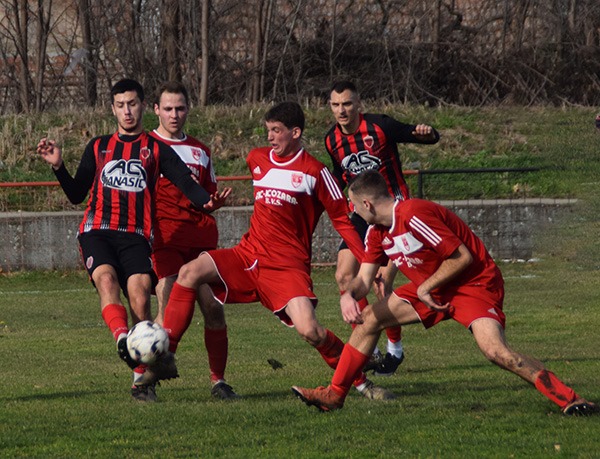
146, 341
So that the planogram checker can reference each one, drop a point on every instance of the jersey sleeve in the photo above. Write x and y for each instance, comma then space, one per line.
403, 133
77, 188
330, 194
174, 169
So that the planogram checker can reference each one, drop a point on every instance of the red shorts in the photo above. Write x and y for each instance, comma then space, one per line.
168, 259
468, 303
244, 280
176, 243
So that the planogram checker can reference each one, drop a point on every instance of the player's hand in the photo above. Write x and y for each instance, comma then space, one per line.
50, 152
217, 200
423, 130
427, 299
350, 309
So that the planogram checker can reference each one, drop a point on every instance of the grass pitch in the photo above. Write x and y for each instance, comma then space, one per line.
64, 392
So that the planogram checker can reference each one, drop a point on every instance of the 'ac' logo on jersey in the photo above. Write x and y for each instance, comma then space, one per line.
124, 175
360, 162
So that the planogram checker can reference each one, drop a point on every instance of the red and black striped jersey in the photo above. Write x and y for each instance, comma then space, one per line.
372, 146
121, 174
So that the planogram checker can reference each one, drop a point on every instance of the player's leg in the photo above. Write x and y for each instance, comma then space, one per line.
163, 291
395, 352
490, 337
391, 311
180, 307
216, 342
346, 269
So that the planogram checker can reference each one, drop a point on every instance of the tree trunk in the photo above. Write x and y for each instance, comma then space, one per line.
171, 39
205, 53
90, 67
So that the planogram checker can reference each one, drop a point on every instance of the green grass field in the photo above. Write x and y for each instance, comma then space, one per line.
64, 393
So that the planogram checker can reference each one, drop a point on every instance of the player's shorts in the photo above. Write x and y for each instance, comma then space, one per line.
244, 280
168, 259
128, 253
468, 303
361, 227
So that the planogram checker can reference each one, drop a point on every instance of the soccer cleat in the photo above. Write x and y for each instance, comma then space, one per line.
144, 392
581, 407
124, 353
374, 392
324, 398
388, 365
163, 368
223, 391
374, 362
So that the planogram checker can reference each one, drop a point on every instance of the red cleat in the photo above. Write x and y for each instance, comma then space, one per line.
324, 398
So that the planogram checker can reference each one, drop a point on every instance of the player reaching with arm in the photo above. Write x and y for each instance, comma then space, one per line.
360, 142
272, 263
119, 172
182, 232
452, 276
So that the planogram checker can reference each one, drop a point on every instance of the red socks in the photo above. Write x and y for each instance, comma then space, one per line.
350, 366
394, 334
553, 388
115, 316
178, 313
331, 349
216, 342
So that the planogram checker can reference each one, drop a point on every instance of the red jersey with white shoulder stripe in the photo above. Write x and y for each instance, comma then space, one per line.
290, 194
424, 234
176, 219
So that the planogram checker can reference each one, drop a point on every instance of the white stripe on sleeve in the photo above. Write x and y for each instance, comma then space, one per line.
422, 228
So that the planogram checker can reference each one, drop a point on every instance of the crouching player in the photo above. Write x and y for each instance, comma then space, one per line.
452, 276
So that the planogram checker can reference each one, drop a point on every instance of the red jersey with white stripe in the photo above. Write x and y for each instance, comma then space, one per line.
176, 218
372, 146
424, 234
290, 194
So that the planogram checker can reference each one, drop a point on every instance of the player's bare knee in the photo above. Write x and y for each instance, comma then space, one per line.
343, 278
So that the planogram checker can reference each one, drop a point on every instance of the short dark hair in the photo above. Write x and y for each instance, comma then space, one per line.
288, 113
172, 87
344, 85
124, 85
371, 183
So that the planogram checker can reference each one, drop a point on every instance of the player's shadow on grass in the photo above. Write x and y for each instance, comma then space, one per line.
53, 396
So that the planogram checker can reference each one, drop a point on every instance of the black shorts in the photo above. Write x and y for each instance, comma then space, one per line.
128, 253
361, 227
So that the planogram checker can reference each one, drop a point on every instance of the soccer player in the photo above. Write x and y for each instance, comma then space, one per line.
360, 142
182, 232
272, 263
120, 172
452, 276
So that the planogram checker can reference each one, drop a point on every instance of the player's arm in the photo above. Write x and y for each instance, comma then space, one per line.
357, 289
336, 205
409, 133
450, 268
75, 188
174, 169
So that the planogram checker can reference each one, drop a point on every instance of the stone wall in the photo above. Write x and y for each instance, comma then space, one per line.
32, 240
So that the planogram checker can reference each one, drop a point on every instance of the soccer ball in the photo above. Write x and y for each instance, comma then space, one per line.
146, 341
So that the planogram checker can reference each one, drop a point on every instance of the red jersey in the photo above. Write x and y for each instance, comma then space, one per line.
175, 214
424, 234
290, 194
372, 146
